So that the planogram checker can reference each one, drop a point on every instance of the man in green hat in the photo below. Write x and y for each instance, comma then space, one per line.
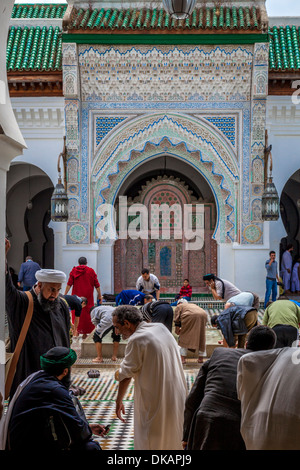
42, 413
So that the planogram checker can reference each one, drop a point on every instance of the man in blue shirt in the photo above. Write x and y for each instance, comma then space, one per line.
27, 273
272, 278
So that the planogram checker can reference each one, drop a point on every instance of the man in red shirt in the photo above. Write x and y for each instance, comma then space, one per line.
84, 280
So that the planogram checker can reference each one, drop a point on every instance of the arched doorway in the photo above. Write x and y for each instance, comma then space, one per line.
189, 143
157, 183
29, 192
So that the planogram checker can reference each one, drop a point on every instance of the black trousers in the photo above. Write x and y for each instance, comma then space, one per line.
286, 335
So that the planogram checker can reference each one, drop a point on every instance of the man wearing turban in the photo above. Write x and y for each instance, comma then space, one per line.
50, 323
43, 413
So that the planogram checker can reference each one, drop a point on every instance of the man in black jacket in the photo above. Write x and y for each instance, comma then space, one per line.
50, 323
158, 311
212, 414
44, 414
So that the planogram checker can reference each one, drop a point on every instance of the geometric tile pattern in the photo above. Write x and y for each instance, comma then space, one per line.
98, 404
226, 125
104, 125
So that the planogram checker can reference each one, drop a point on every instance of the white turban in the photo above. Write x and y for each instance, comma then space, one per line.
50, 275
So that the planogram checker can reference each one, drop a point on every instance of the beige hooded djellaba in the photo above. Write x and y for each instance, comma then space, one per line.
152, 359
192, 320
268, 387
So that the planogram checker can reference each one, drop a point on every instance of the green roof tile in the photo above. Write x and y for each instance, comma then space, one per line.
34, 48
284, 48
157, 19
54, 10
37, 48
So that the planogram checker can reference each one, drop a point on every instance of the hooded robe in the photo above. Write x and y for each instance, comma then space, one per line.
192, 320
267, 386
84, 280
152, 359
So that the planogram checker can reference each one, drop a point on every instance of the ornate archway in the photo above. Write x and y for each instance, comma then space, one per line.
191, 139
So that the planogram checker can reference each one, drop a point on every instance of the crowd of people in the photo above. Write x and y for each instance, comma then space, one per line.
244, 394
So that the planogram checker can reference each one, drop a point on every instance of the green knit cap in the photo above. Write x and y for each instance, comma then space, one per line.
58, 356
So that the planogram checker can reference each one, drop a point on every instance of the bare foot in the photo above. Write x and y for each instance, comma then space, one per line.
113, 358
97, 359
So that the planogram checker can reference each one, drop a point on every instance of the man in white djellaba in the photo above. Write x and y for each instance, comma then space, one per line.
152, 358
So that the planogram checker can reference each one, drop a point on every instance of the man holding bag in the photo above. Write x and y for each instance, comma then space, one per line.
49, 325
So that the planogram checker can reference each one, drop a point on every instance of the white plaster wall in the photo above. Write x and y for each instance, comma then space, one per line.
245, 265
42, 123
283, 124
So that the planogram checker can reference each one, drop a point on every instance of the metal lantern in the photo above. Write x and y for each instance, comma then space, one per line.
270, 202
59, 199
59, 203
179, 9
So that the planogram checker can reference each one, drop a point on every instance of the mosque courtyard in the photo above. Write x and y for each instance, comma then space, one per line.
98, 401
119, 108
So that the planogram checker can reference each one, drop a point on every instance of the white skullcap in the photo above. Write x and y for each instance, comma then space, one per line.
182, 301
50, 275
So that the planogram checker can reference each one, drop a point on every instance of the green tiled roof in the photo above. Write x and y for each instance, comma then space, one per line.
284, 48
204, 18
39, 48
38, 11
34, 49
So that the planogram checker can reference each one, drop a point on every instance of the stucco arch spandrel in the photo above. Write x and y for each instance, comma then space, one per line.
183, 137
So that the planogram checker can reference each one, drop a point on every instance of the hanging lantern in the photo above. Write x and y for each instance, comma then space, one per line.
59, 199
179, 9
59, 203
270, 202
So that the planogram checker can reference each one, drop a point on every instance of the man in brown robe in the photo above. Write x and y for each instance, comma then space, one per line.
190, 324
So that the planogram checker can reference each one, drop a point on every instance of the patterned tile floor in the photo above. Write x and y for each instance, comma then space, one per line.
98, 403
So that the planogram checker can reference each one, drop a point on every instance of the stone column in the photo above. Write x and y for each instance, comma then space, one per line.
106, 266
11, 145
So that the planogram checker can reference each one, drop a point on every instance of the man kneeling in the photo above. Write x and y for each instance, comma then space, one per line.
42, 414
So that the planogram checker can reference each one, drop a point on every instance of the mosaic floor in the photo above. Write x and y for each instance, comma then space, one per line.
98, 400
98, 403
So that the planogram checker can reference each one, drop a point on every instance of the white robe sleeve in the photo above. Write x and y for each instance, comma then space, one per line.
132, 361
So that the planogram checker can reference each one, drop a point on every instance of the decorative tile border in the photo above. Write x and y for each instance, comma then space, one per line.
135, 83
